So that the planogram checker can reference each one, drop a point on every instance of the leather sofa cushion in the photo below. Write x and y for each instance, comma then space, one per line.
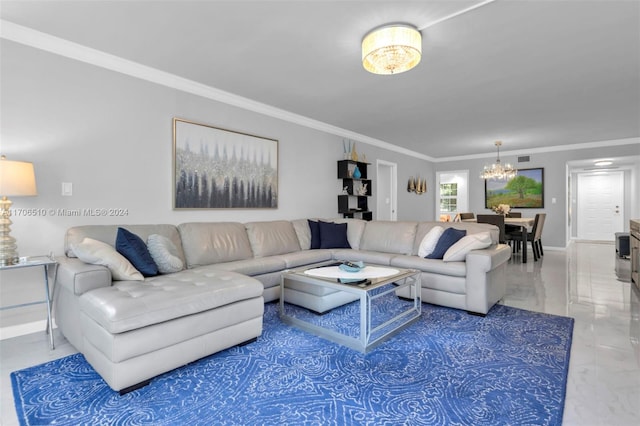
373, 257
272, 238
389, 237
303, 232
251, 267
355, 229
130, 305
108, 233
306, 257
124, 346
436, 266
208, 243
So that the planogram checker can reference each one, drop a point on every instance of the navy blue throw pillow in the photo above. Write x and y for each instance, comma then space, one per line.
449, 237
315, 234
135, 250
333, 235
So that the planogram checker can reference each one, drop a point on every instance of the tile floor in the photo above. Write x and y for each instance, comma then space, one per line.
586, 282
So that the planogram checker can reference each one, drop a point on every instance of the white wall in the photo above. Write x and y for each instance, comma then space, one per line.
111, 136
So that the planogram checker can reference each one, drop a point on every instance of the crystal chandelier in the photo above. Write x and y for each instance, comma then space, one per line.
391, 49
497, 170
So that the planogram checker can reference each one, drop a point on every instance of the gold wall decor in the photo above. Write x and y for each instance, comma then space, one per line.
419, 186
411, 185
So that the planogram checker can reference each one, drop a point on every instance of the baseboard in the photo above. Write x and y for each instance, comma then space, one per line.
23, 329
552, 248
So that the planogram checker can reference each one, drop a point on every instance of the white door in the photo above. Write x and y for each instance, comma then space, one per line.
600, 205
386, 192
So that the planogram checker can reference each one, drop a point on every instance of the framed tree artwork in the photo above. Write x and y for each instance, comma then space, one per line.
525, 190
214, 168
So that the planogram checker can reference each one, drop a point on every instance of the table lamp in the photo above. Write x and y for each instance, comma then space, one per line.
17, 179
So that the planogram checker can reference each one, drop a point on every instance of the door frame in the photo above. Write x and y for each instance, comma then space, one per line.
629, 164
579, 194
461, 174
388, 171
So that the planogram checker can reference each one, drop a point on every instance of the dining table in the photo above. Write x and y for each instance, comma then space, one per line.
525, 223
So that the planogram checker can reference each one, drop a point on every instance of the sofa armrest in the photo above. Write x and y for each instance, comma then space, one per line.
79, 277
485, 260
486, 278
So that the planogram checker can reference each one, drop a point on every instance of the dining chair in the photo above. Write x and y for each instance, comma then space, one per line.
508, 229
494, 219
535, 237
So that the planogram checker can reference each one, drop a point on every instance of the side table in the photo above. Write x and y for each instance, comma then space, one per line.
50, 267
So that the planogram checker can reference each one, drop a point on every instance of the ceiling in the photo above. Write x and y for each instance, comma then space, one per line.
534, 74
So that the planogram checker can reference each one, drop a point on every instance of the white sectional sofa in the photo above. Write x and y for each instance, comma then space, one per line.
132, 330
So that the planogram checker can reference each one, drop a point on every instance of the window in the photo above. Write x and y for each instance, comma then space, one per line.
448, 197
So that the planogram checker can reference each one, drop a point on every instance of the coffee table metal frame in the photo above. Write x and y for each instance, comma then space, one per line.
366, 341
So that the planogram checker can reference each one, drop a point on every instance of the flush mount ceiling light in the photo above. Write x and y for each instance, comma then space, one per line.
603, 163
497, 170
391, 49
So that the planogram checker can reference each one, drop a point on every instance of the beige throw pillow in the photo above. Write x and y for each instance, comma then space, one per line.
458, 251
98, 253
430, 240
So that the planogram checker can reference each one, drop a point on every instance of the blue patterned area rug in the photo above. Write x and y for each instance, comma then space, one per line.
509, 368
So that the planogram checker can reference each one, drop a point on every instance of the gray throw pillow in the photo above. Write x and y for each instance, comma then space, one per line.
165, 254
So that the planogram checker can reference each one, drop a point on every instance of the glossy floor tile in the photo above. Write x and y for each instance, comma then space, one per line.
587, 282
590, 284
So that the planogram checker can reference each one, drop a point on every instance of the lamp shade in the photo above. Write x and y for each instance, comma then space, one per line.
391, 49
17, 178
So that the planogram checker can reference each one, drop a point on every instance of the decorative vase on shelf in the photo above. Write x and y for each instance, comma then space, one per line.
354, 154
356, 173
346, 148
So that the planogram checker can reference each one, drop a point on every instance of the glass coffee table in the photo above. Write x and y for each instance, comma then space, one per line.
364, 323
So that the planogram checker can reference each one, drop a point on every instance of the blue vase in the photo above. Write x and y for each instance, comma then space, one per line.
356, 173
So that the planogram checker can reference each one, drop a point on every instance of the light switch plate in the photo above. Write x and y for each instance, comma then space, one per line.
67, 189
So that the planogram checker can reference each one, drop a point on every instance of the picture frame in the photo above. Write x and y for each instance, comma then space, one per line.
215, 168
524, 191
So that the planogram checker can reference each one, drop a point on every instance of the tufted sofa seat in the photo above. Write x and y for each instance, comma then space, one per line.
193, 314
132, 331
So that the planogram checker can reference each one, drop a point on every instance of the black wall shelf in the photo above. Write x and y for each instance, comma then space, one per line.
354, 202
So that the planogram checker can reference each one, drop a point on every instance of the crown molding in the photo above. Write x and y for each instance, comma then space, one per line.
49, 43
568, 147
